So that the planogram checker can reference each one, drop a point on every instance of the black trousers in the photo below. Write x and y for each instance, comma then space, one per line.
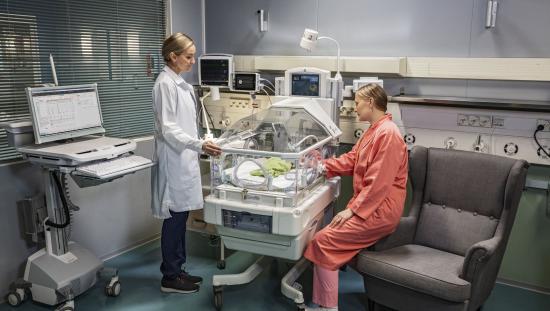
173, 244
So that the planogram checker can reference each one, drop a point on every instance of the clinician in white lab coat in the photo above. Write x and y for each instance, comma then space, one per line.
176, 180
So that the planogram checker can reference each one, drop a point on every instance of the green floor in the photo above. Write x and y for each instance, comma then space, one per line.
140, 279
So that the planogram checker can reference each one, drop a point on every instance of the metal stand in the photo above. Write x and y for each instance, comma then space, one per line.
292, 289
218, 281
289, 287
62, 270
221, 262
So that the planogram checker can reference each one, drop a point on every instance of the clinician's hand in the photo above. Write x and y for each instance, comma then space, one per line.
211, 148
341, 218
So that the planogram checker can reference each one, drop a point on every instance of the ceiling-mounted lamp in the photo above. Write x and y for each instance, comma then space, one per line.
491, 16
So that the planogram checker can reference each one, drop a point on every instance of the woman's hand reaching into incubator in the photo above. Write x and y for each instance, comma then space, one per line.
341, 218
211, 148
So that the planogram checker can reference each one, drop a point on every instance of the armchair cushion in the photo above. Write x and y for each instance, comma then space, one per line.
468, 181
402, 235
454, 230
417, 267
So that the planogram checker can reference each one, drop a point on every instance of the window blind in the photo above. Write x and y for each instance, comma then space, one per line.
115, 43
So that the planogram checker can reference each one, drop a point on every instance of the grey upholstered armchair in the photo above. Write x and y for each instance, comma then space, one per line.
445, 255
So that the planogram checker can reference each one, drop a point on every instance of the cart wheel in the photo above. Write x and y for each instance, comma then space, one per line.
14, 298
218, 297
221, 264
113, 290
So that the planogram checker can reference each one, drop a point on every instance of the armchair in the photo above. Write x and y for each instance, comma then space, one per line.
446, 253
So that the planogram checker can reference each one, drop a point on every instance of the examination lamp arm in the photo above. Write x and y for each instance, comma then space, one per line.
337, 76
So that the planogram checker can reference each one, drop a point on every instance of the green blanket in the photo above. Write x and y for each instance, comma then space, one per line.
275, 167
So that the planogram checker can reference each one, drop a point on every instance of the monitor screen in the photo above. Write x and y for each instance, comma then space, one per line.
305, 85
245, 82
63, 112
214, 72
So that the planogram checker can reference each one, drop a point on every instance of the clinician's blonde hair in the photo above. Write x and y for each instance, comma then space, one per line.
177, 43
376, 92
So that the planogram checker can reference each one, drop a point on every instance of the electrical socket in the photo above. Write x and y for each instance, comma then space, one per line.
462, 120
473, 120
485, 121
545, 123
498, 122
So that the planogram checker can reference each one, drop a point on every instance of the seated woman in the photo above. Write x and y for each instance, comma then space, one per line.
379, 165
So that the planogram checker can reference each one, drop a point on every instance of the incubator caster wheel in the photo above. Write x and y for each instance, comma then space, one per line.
16, 297
221, 264
68, 306
112, 289
218, 297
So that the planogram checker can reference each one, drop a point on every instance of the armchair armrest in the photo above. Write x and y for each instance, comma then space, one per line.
477, 255
403, 234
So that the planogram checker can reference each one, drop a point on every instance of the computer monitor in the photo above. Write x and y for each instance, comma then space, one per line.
64, 112
216, 70
306, 81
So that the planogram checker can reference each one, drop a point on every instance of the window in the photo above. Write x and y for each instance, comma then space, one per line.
115, 43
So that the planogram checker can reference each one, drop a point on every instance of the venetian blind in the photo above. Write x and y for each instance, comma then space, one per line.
115, 43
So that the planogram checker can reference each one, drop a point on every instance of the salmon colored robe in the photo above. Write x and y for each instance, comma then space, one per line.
379, 165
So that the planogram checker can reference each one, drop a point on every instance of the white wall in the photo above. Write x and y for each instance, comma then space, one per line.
421, 28
187, 18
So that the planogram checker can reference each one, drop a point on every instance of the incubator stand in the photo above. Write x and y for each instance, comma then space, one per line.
268, 193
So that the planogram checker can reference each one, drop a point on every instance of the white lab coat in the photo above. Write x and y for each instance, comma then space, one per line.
176, 179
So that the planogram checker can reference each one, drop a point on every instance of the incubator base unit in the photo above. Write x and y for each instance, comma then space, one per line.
281, 232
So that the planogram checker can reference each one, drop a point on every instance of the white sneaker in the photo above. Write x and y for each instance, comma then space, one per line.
320, 309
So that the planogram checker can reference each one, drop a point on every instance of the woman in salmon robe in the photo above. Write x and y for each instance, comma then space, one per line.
379, 165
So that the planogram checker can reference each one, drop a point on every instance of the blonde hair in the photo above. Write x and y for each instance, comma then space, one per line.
177, 43
376, 92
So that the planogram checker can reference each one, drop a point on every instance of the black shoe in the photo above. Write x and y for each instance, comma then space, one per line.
178, 285
191, 278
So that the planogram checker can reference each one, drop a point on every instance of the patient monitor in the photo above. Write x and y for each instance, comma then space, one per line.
312, 83
216, 70
307, 81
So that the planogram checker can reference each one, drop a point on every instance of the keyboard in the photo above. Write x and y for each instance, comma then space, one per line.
114, 167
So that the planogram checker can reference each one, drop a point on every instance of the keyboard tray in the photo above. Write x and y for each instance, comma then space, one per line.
117, 174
